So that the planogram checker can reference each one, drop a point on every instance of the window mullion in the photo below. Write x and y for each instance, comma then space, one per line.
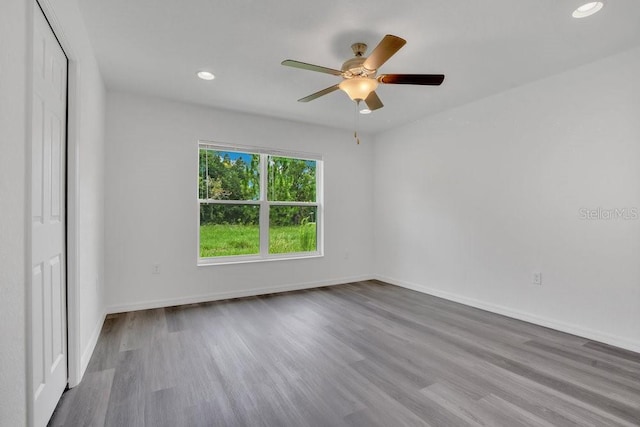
293, 204
228, 202
264, 207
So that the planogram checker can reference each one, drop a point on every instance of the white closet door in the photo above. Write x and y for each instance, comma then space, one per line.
48, 264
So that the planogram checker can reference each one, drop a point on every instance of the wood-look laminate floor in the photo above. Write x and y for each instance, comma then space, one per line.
361, 354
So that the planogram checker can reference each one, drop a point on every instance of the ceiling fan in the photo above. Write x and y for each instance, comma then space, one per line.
359, 73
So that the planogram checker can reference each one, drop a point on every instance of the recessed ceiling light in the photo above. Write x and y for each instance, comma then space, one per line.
205, 75
365, 111
587, 9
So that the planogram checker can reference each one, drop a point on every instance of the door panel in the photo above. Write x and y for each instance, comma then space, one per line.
37, 336
57, 310
37, 162
48, 228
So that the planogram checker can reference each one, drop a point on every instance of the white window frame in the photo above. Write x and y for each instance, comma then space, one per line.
264, 204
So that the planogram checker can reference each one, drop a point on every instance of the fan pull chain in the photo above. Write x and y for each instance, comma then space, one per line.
355, 132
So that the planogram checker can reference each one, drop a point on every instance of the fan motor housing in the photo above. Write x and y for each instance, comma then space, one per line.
353, 68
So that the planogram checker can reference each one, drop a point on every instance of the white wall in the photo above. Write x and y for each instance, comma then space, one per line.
13, 126
91, 239
152, 211
472, 201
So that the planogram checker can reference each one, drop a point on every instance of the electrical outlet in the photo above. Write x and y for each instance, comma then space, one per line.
155, 269
536, 278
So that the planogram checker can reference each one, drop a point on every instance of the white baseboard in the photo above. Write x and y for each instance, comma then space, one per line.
216, 296
591, 334
91, 345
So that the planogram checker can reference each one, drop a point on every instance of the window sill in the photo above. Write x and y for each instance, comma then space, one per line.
205, 262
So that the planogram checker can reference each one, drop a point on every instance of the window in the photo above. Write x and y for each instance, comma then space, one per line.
258, 204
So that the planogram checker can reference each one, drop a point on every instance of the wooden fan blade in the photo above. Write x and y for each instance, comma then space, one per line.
373, 101
412, 79
311, 67
387, 47
319, 94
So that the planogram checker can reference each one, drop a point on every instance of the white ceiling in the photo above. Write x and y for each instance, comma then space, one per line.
482, 46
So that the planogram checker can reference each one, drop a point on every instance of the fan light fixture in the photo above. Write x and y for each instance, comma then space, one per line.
206, 75
587, 9
358, 88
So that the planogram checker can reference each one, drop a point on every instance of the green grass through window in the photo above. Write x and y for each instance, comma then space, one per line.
228, 240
